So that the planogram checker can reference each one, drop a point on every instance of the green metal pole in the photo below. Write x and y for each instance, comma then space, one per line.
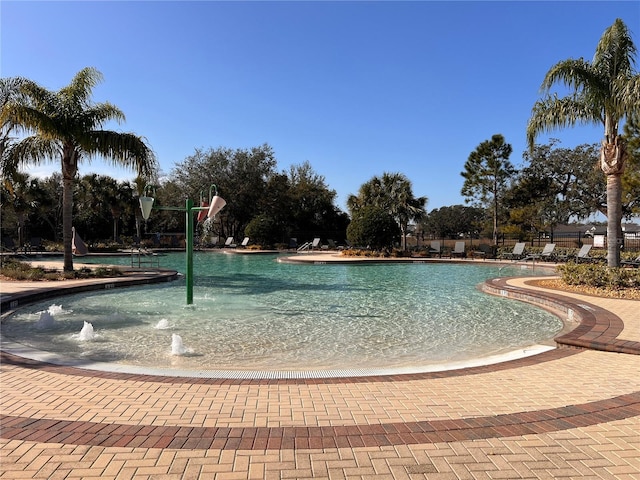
189, 240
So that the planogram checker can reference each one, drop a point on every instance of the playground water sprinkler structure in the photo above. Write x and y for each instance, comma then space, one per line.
215, 204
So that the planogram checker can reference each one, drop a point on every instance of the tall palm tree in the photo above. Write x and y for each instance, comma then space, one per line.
403, 206
605, 92
393, 193
67, 125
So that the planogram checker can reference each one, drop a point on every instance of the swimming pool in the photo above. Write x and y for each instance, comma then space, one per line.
253, 313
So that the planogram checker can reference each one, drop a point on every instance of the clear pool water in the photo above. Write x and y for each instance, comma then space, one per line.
253, 313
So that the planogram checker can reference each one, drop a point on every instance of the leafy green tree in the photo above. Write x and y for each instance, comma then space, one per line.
454, 221
17, 196
313, 212
275, 222
240, 175
487, 173
374, 227
45, 217
605, 92
263, 229
67, 125
558, 183
393, 193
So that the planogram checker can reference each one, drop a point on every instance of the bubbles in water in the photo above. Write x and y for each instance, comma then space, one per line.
46, 320
54, 309
163, 324
177, 348
86, 333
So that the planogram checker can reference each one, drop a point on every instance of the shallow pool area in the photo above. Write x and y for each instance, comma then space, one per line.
253, 313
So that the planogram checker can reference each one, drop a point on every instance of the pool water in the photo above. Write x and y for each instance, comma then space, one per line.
251, 312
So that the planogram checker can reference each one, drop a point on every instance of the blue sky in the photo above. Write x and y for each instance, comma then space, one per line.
355, 88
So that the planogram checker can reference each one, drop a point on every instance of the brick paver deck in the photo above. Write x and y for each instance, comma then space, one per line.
571, 412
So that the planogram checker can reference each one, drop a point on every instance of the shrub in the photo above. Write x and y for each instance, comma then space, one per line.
600, 276
374, 228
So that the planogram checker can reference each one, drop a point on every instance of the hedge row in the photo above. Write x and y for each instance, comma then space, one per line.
599, 275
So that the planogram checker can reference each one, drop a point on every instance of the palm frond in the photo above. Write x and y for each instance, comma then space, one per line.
552, 112
576, 74
615, 53
78, 93
123, 149
33, 150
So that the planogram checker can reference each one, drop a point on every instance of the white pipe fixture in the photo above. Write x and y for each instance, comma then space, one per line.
217, 204
146, 204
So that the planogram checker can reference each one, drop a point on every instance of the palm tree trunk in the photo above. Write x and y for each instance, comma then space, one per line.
612, 159
614, 219
67, 222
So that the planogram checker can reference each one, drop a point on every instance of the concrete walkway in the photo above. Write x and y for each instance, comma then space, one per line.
572, 412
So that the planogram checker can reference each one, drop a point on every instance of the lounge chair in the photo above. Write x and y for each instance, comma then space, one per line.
35, 244
229, 243
245, 242
546, 254
631, 263
435, 248
458, 250
517, 253
483, 251
583, 255
315, 243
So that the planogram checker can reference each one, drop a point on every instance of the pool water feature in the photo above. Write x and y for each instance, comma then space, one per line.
251, 313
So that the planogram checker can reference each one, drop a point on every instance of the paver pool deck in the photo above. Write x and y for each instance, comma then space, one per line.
572, 412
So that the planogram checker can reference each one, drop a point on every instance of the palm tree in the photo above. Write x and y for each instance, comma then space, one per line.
403, 206
67, 125
606, 91
393, 193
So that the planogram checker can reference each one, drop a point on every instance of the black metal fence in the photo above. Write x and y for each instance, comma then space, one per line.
571, 240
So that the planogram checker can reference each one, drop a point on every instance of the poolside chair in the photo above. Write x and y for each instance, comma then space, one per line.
517, 253
315, 243
435, 248
631, 263
229, 243
35, 244
583, 255
483, 251
245, 242
458, 250
546, 254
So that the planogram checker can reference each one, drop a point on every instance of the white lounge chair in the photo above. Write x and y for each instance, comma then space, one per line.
583, 255
517, 253
546, 254
434, 248
458, 250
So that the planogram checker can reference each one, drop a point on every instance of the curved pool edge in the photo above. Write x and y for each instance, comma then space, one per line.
595, 327
37, 291
588, 319
24, 351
